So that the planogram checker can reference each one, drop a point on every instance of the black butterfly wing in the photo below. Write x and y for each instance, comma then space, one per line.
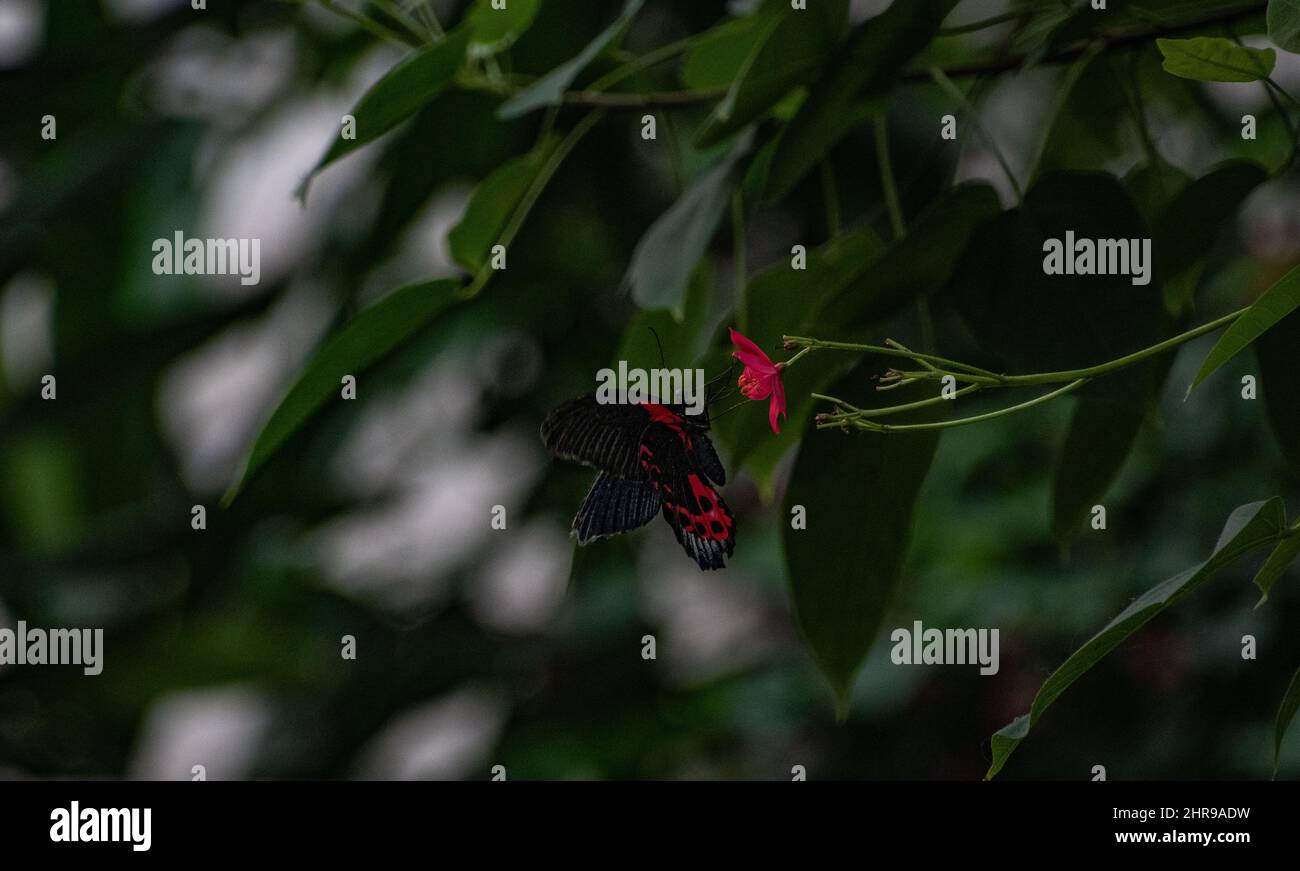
706, 458
605, 436
651, 459
700, 519
615, 505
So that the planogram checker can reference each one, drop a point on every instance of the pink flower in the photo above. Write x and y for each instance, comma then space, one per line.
761, 378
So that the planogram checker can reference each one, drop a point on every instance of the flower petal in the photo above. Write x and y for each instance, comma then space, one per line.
751, 355
777, 405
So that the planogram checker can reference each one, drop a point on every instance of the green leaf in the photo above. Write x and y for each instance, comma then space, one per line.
493, 203
1100, 436
549, 89
495, 30
1187, 227
1280, 378
1277, 563
666, 255
1216, 59
360, 343
1284, 24
402, 92
1102, 432
840, 101
918, 264
1285, 714
1083, 133
1153, 185
720, 54
1275, 304
1249, 527
680, 337
1044, 323
787, 46
844, 568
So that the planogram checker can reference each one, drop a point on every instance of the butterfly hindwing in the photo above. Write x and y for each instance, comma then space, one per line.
615, 505
701, 521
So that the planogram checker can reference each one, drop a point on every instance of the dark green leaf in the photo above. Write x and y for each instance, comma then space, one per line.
919, 264
1275, 304
403, 91
1093, 118
786, 49
1249, 527
859, 492
1102, 432
1153, 185
1216, 59
1280, 379
719, 56
1284, 25
680, 337
1187, 227
1041, 323
492, 205
666, 255
356, 346
1100, 436
549, 89
1285, 714
1277, 563
868, 65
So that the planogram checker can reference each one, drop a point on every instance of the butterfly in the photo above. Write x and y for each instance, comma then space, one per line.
651, 458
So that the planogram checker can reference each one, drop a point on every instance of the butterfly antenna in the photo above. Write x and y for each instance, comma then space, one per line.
653, 332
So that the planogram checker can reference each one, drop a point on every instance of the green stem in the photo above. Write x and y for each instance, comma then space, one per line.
820, 344
427, 14
893, 409
994, 21
530, 198
794, 358
1032, 379
887, 177
402, 17
1127, 360
963, 421
374, 28
644, 62
956, 93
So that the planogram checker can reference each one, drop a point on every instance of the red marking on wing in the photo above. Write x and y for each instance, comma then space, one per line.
712, 521
669, 418
709, 520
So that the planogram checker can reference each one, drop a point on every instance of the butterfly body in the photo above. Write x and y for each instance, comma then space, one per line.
652, 458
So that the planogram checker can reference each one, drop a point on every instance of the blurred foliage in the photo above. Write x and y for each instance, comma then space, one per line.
774, 128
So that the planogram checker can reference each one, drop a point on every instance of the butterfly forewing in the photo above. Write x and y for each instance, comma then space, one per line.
603, 436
